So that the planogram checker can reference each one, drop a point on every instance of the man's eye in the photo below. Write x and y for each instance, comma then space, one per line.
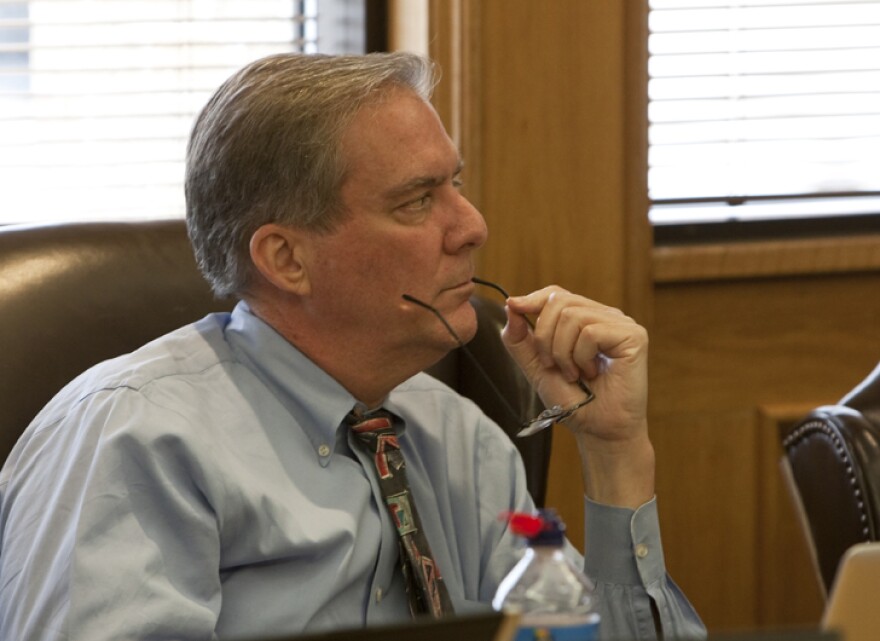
458, 182
418, 203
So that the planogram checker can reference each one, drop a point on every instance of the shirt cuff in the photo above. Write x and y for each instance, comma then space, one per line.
622, 545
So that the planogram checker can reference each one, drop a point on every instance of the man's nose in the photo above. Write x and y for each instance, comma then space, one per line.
469, 230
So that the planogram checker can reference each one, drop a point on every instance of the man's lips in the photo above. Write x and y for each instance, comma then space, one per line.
463, 289
464, 285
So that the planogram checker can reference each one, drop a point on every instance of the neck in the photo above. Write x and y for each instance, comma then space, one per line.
369, 377
359, 363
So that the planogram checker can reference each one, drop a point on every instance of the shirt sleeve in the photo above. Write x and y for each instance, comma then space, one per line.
635, 595
125, 543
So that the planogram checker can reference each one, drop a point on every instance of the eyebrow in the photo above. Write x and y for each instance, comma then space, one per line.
421, 182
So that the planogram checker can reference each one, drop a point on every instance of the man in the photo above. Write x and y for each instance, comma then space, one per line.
209, 485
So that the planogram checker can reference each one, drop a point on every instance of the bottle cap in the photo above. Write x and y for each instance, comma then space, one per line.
544, 528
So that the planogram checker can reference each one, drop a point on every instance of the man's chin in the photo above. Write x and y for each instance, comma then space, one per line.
464, 321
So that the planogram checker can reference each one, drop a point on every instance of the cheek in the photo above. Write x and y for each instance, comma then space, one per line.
362, 269
397, 262
363, 261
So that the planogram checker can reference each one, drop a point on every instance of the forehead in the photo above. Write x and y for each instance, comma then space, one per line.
399, 133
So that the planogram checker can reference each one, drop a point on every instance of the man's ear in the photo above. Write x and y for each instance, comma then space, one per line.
277, 252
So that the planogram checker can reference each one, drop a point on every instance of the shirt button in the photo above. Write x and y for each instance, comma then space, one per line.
324, 450
641, 550
378, 595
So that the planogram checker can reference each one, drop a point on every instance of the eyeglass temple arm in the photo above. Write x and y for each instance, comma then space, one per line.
473, 359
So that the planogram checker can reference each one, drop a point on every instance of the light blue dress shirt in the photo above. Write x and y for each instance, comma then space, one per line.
203, 487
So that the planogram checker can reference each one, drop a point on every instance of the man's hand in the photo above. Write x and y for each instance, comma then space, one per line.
575, 337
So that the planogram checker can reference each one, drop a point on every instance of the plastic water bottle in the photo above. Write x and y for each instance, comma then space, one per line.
553, 598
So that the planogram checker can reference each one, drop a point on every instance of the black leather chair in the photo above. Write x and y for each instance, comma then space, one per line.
75, 294
832, 461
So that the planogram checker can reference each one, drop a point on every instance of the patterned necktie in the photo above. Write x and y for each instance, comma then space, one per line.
425, 587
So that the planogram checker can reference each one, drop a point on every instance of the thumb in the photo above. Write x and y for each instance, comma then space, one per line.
520, 342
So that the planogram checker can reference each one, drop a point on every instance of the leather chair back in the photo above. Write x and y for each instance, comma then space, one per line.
832, 461
75, 294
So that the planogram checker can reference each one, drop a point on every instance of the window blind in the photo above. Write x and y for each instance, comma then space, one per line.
774, 103
97, 97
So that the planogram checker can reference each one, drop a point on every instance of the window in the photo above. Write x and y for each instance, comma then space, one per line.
97, 97
764, 110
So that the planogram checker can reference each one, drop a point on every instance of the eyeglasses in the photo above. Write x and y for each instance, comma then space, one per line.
551, 415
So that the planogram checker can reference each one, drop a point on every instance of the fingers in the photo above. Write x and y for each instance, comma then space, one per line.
572, 333
517, 329
520, 342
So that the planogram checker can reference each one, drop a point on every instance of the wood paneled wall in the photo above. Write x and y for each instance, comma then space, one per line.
731, 360
548, 103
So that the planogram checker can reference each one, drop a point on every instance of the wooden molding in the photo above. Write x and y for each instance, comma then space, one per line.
719, 261
408, 26
454, 45
789, 587
638, 292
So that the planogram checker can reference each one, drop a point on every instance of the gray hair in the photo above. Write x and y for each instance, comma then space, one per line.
265, 149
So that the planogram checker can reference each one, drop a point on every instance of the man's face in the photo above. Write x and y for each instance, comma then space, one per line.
407, 230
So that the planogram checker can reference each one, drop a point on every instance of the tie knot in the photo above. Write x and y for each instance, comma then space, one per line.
375, 421
374, 430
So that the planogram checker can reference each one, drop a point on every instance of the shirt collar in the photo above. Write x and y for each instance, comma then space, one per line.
317, 402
